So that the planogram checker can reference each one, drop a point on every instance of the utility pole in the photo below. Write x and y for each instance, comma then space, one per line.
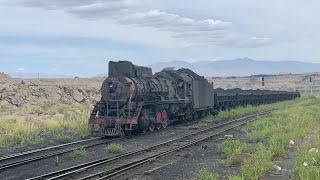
310, 85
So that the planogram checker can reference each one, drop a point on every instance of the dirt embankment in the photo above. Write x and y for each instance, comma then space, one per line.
28, 92
286, 82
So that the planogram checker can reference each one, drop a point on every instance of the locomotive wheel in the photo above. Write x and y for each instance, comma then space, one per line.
128, 133
164, 119
165, 125
158, 119
159, 126
146, 120
151, 126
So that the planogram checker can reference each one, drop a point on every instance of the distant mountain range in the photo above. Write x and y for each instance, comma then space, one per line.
240, 67
225, 68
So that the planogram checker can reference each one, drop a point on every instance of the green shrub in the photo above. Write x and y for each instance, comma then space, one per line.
236, 178
206, 175
114, 148
232, 149
258, 164
63, 138
307, 164
79, 153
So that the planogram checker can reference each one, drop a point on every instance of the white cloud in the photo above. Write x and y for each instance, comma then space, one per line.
248, 42
103, 9
188, 31
172, 22
20, 69
253, 42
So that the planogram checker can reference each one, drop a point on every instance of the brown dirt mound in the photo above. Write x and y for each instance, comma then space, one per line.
4, 76
32, 92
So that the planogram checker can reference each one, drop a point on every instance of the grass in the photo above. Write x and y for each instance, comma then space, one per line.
21, 127
114, 148
236, 178
272, 136
63, 138
246, 110
233, 150
258, 164
79, 153
206, 175
307, 163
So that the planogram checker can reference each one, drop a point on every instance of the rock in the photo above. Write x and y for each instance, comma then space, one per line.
15, 92
278, 168
78, 97
16, 100
186, 155
314, 150
228, 136
204, 147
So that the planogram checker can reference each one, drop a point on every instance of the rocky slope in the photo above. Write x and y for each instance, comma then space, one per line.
29, 92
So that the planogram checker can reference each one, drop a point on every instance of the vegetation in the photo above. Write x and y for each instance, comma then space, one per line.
258, 164
307, 164
79, 153
20, 127
246, 110
233, 150
272, 135
114, 148
206, 175
63, 138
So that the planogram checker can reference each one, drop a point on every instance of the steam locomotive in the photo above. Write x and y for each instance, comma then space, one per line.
133, 99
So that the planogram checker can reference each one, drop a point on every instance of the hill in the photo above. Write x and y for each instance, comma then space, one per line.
241, 67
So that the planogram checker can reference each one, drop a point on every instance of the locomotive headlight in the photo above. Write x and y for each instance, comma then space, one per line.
112, 88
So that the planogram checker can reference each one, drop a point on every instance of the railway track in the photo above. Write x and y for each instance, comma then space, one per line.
22, 158
38, 154
109, 168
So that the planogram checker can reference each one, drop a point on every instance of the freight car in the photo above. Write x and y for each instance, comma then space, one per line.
230, 98
133, 99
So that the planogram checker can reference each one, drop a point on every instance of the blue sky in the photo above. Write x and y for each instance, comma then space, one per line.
79, 37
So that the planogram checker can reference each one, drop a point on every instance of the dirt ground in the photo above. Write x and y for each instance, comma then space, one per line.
186, 164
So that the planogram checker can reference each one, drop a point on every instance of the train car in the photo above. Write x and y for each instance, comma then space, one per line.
135, 99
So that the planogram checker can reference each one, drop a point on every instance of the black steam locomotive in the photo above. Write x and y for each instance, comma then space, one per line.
133, 99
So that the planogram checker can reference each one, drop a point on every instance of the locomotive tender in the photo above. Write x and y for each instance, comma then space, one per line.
133, 99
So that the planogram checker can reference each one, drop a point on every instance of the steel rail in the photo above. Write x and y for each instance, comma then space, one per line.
82, 167
44, 149
54, 150
156, 156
